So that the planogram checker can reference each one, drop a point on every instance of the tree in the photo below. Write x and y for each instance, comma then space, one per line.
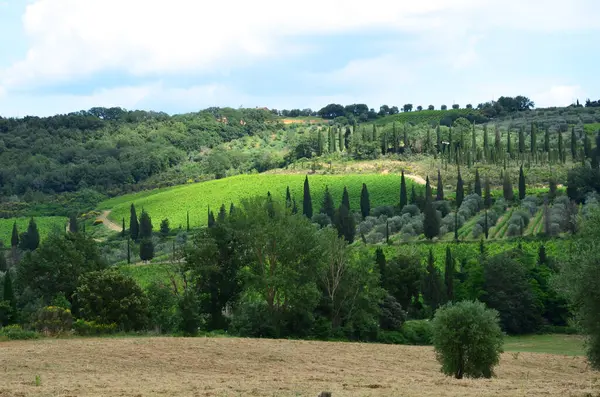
288, 198
8, 296
328, 207
128, 251
547, 140
187, 220
522, 186
455, 106
123, 227
108, 297
146, 249
134, 226
508, 144
231, 209
307, 209
507, 188
344, 220
449, 266
402, 278
573, 144
211, 218
73, 226
486, 227
403, 193
165, 229
145, 225
477, 183
431, 221
467, 339
320, 146
433, 286
365, 202
521, 140
487, 200
460, 190
30, 240
533, 138
14, 240
561, 149
222, 214
440, 187
345, 198
430, 107
407, 107
444, 107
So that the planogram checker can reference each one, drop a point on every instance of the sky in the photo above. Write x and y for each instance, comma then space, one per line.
176, 56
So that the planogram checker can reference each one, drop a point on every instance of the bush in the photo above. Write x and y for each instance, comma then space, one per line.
392, 315
53, 320
15, 332
467, 339
252, 319
417, 332
89, 328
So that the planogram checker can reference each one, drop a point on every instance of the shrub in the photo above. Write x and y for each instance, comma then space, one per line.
392, 316
15, 332
88, 328
411, 209
417, 332
53, 320
252, 319
386, 210
467, 339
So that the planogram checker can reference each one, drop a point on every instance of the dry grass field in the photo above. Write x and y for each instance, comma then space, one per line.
250, 367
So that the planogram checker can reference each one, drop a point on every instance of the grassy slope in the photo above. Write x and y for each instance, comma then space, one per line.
173, 203
45, 225
568, 345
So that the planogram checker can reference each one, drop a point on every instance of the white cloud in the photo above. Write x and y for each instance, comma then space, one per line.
560, 95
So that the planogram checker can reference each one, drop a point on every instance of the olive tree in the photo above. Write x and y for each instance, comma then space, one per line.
467, 339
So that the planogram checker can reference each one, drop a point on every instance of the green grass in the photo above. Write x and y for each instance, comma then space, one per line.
147, 274
591, 128
45, 225
173, 203
534, 223
568, 345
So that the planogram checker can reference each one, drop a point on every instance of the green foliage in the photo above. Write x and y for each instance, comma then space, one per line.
449, 269
522, 186
467, 339
16, 332
307, 209
145, 231
165, 229
328, 208
417, 332
433, 287
30, 239
190, 319
134, 226
403, 192
110, 297
146, 249
92, 328
73, 225
460, 191
365, 202
53, 320
162, 308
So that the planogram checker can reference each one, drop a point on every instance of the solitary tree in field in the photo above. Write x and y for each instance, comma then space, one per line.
449, 274
134, 226
440, 187
433, 286
365, 202
307, 209
460, 190
467, 339
145, 225
522, 186
478, 183
328, 207
403, 192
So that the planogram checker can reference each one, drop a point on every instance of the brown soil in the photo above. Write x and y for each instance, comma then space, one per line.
250, 367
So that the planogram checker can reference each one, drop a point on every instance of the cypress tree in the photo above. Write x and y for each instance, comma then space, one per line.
384, 144
334, 138
14, 240
440, 187
31, 237
587, 146
319, 143
123, 227
187, 220
478, 183
340, 140
395, 137
521, 140
231, 209
365, 202
449, 274
473, 140
381, 262
270, 208
288, 198
73, 226
307, 209
403, 192
431, 222
427, 188
456, 225
387, 232
374, 133
330, 141
344, 223
294, 207
460, 190
134, 226
573, 144
222, 214
211, 218
507, 188
533, 138
9, 296
486, 143
3, 262
146, 249
145, 225
406, 143
413, 195
433, 286
487, 200
547, 140
346, 198
542, 257
364, 134
486, 227
561, 149
438, 138
328, 207
522, 187
347, 138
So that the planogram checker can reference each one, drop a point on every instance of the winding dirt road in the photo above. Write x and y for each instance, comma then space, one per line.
416, 178
108, 223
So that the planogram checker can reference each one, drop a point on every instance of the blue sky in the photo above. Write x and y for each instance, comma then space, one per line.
177, 56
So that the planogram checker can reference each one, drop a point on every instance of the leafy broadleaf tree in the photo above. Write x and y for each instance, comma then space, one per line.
365, 202
467, 339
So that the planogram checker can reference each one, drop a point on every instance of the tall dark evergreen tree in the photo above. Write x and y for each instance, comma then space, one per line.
381, 262
328, 207
345, 224
440, 187
507, 188
431, 221
449, 274
270, 206
340, 140
365, 202
413, 195
508, 144
561, 149
73, 226
478, 183
587, 146
222, 214
346, 198
460, 190
486, 226
211, 218
374, 139
146, 249
522, 186
307, 208
486, 143
533, 138
406, 143
547, 140
403, 192
187, 220
30, 240
123, 232
319, 143
521, 140
9, 296
14, 240
288, 198
134, 226
438, 138
231, 209
294, 207
145, 225
433, 286
573, 144
487, 199
456, 226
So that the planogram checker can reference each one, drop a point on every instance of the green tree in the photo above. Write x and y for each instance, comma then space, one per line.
431, 221
478, 184
486, 144
403, 192
561, 148
14, 240
123, 227
146, 249
547, 140
507, 188
402, 278
211, 218
319, 143
365, 202
134, 226
573, 144
440, 187
486, 227
231, 209
145, 225
162, 307
307, 209
522, 186
433, 286
108, 297
449, 266
533, 137
8, 296
460, 190
187, 221
467, 339
222, 214
328, 207
521, 140
346, 198
190, 318
288, 198
587, 146
345, 223
165, 229
487, 200
73, 226
30, 240
508, 144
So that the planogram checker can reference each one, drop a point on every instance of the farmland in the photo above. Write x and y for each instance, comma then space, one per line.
45, 225
173, 203
262, 367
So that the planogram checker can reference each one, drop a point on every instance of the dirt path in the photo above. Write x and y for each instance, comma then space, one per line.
108, 223
416, 178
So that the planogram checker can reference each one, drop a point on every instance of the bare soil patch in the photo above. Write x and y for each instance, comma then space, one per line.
251, 367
